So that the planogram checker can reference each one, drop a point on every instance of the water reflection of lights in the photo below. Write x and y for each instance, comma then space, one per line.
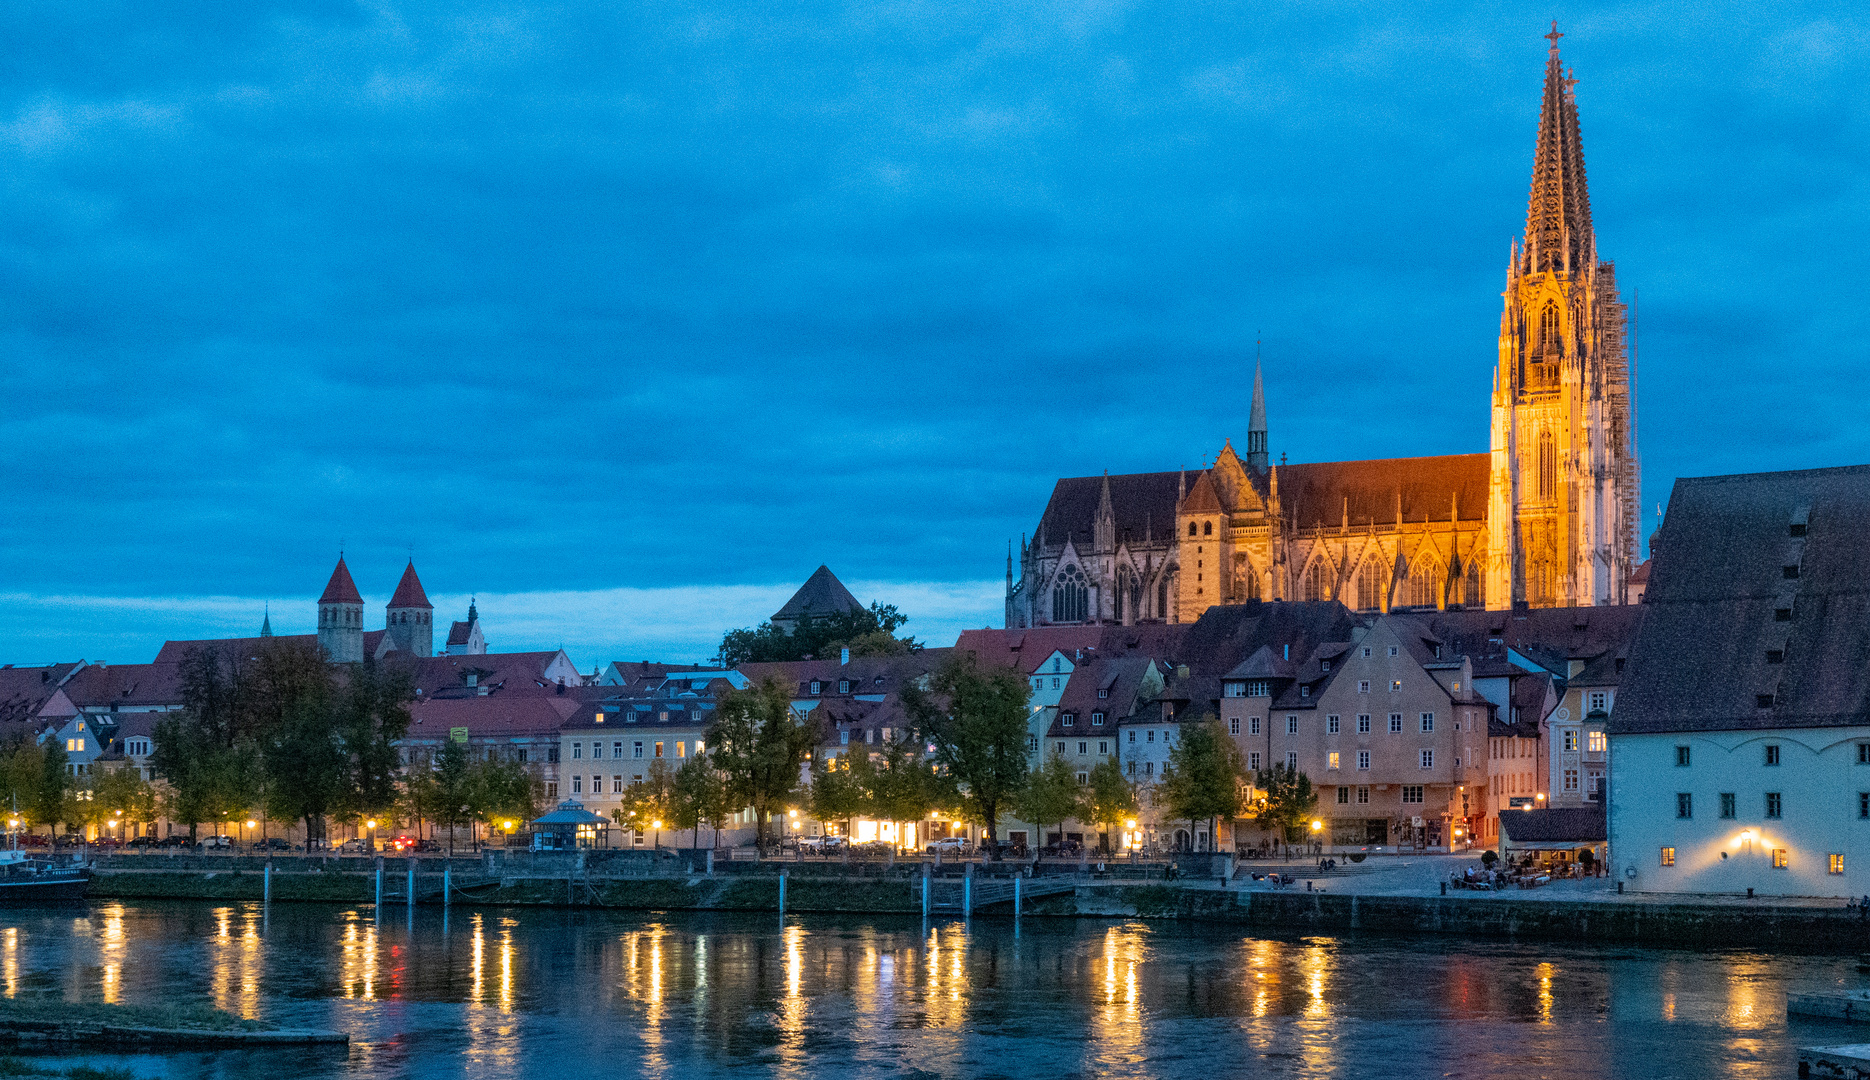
1546, 971
506, 965
477, 958
359, 958
11, 962
113, 953
1262, 958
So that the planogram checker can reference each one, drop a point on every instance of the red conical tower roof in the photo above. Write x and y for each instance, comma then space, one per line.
341, 589
409, 592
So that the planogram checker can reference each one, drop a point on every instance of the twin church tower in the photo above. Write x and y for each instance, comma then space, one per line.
1547, 517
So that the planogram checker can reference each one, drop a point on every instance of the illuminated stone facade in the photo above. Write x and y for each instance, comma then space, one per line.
1547, 516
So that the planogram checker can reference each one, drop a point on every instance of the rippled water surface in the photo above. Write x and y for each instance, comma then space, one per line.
588, 993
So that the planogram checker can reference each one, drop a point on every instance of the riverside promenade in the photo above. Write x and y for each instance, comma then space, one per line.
1384, 894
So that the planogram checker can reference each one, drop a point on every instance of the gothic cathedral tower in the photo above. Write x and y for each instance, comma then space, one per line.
1564, 482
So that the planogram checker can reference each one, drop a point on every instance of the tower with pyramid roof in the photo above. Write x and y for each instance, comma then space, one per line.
409, 617
1563, 473
341, 618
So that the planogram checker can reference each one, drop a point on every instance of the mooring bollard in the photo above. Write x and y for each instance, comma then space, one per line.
710, 862
782, 892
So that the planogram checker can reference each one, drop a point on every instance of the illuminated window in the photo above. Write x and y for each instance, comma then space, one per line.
1834, 863
1597, 742
1331, 760
1782, 858
681, 749
1571, 741
1395, 686
1668, 856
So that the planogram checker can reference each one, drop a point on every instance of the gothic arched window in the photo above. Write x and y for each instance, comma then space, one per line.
1470, 593
1548, 328
1207, 528
1116, 599
1191, 528
1071, 597
1424, 585
1370, 585
1246, 581
1162, 599
1318, 580
1548, 467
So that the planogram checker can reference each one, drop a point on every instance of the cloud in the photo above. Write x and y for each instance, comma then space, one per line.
696, 295
676, 624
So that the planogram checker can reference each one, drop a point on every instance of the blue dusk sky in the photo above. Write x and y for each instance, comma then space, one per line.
625, 317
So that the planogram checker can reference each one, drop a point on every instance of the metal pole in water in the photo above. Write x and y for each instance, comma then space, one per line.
266, 886
967, 896
447, 879
412, 883
925, 892
782, 892
1016, 896
379, 881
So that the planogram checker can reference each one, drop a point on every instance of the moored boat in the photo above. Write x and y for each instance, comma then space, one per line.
29, 881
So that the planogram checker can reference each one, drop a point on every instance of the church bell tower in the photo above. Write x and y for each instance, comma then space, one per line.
1563, 485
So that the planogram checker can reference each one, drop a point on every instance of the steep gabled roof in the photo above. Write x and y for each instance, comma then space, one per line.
822, 594
341, 589
1201, 498
409, 592
1144, 505
1430, 489
1714, 653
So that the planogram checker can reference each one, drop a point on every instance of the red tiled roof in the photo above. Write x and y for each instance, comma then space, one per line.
409, 592
103, 685
341, 589
1201, 498
492, 716
173, 651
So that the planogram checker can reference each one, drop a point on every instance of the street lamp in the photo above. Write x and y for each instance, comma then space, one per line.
657, 825
371, 824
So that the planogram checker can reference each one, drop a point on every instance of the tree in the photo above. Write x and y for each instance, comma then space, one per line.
760, 746
976, 719
1287, 800
648, 801
1107, 797
901, 787
1050, 795
124, 795
450, 788
21, 775
370, 716
505, 792
836, 794
54, 780
867, 632
700, 796
1203, 776
304, 763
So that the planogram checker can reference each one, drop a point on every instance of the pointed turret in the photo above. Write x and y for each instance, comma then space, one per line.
341, 618
266, 622
1104, 536
1257, 457
409, 617
1558, 214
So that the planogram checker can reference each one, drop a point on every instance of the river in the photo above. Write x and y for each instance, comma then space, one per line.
576, 994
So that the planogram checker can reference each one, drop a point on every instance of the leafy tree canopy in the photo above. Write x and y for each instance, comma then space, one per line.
870, 632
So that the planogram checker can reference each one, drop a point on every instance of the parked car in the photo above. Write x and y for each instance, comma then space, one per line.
140, 843
821, 845
180, 840
426, 845
950, 845
219, 842
273, 843
354, 846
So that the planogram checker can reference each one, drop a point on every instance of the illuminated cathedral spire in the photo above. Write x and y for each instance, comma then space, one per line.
1558, 213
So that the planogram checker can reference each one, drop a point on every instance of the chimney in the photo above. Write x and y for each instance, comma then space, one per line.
1286, 651
844, 656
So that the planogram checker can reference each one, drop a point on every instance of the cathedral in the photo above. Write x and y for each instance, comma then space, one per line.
1546, 518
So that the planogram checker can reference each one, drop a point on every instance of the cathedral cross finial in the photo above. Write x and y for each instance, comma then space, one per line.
1554, 35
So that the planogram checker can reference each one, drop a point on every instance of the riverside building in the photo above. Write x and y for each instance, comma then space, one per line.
1742, 732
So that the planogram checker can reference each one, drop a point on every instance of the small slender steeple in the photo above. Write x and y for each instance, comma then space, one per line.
1257, 457
266, 622
1104, 538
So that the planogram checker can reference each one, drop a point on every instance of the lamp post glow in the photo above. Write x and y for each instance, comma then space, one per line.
371, 824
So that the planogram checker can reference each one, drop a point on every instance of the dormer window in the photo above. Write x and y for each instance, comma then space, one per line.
1305, 691
1097, 719
844, 686
1069, 719
817, 687
1324, 665
1260, 689
1103, 693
